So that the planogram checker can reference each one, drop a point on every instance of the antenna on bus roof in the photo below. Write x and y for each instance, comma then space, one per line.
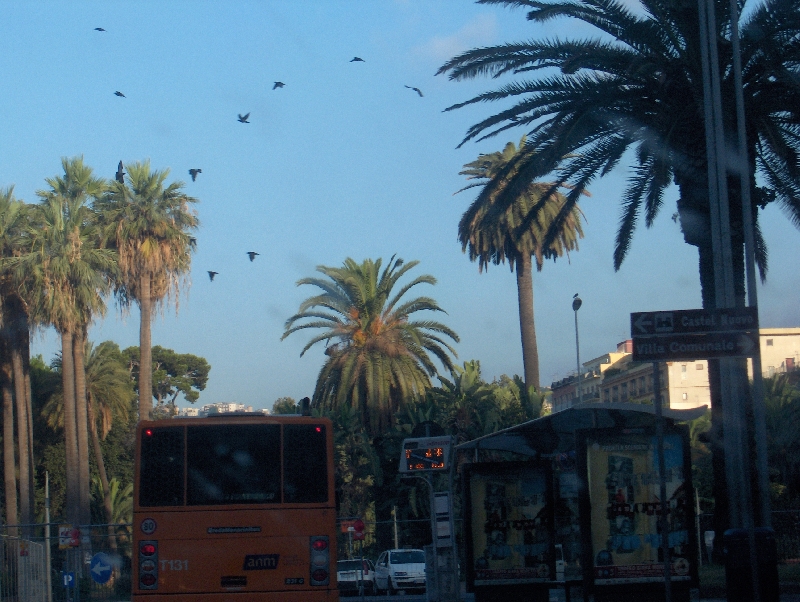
305, 407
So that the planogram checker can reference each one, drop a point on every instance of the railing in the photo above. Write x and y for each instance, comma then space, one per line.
97, 569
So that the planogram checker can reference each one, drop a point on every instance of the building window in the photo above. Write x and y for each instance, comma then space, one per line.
685, 396
699, 366
769, 342
606, 395
683, 372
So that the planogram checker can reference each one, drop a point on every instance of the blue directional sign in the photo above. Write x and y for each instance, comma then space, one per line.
68, 578
100, 568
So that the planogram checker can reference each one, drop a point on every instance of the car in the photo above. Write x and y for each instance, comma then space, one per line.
398, 570
355, 575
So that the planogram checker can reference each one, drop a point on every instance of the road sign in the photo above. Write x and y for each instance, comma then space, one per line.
68, 579
100, 568
693, 334
68, 537
693, 321
425, 453
695, 346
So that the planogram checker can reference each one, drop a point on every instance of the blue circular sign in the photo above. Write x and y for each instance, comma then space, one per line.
100, 568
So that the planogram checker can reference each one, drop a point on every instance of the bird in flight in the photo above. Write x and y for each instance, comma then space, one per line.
194, 172
99, 29
278, 85
252, 255
211, 275
118, 93
243, 118
417, 90
120, 176
357, 59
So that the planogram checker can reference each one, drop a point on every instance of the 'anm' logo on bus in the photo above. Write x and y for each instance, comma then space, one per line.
260, 562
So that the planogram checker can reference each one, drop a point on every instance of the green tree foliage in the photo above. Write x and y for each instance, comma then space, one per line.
782, 403
517, 234
379, 357
285, 405
464, 406
173, 374
637, 85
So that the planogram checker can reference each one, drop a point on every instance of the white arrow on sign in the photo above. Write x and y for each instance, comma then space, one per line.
643, 321
745, 344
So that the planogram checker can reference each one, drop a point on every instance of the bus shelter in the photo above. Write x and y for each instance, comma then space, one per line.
573, 499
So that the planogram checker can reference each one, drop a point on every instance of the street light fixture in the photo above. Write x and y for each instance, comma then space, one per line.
576, 305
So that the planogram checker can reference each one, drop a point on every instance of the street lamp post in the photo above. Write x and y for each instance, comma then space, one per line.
576, 305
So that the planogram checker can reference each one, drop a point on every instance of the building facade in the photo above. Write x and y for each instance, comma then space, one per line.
615, 377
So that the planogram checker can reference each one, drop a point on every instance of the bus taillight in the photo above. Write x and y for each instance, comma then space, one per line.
148, 565
320, 560
320, 545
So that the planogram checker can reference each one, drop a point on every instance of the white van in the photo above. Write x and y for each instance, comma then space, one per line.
400, 570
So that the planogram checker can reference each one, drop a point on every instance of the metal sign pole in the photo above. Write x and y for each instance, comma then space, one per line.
662, 483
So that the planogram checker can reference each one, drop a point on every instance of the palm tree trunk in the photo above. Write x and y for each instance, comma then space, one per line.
9, 463
73, 495
26, 369
101, 470
145, 351
25, 507
527, 326
78, 352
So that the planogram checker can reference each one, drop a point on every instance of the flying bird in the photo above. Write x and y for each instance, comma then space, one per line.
211, 275
243, 118
194, 172
252, 255
417, 90
118, 93
278, 85
120, 177
99, 29
357, 59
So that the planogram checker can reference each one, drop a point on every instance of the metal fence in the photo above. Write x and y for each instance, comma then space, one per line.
97, 568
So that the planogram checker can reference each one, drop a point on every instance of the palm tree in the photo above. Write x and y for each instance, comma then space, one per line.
644, 91
110, 394
639, 87
14, 331
512, 236
150, 225
380, 357
65, 274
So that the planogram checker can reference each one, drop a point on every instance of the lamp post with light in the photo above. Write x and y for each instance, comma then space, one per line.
576, 305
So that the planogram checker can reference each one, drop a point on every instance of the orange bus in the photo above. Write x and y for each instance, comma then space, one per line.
234, 508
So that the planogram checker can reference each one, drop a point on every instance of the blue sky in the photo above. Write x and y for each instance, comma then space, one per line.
344, 161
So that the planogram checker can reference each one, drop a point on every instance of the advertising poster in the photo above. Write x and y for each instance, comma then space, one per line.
624, 493
511, 540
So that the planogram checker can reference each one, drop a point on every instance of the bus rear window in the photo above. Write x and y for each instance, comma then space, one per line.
161, 470
233, 464
305, 463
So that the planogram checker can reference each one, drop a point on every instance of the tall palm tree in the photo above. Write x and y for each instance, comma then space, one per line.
379, 358
65, 274
638, 86
13, 321
150, 224
492, 237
